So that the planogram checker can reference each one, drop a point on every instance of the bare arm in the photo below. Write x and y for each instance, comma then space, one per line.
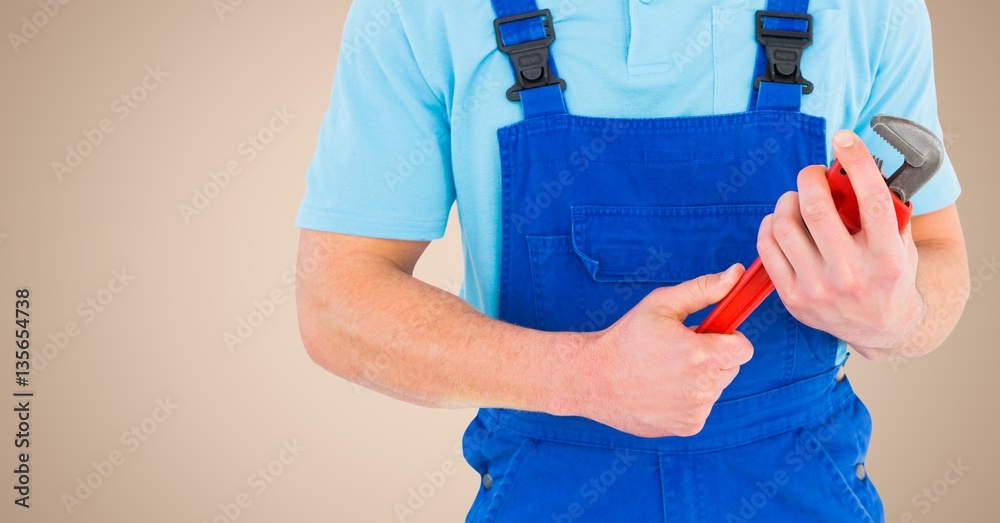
364, 317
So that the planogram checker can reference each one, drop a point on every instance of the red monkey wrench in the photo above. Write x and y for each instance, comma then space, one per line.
923, 153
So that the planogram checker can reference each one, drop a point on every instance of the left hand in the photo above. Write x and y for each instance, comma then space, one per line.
862, 288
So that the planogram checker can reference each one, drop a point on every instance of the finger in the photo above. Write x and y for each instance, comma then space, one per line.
725, 379
878, 215
909, 243
820, 214
771, 256
694, 295
792, 236
730, 350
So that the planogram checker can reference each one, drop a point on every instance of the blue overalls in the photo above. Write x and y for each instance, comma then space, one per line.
596, 213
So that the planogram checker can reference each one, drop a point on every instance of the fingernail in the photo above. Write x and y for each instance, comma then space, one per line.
728, 275
844, 138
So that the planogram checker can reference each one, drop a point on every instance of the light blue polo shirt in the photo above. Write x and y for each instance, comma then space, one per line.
420, 86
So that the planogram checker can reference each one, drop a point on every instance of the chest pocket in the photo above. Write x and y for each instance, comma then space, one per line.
824, 63
616, 255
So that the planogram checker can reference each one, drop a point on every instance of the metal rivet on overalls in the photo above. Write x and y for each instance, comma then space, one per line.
860, 472
841, 373
487, 481
647, 2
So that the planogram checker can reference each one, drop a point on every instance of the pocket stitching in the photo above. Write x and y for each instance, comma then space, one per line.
579, 225
841, 483
509, 480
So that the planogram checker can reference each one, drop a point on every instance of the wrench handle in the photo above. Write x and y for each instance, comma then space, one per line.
755, 285
752, 289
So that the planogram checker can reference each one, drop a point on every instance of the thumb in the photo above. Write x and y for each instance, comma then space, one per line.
694, 295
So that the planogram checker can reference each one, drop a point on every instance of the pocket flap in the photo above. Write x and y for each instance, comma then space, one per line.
664, 244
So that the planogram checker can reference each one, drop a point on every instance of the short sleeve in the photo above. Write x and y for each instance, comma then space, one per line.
904, 86
382, 165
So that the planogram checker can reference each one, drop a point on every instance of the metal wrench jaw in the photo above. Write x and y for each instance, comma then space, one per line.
922, 151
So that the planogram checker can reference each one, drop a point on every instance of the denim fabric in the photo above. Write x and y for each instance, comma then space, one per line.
596, 213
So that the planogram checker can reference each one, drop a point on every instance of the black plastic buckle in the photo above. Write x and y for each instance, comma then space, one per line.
784, 50
531, 59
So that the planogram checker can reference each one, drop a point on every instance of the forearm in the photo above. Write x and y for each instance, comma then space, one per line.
940, 294
374, 324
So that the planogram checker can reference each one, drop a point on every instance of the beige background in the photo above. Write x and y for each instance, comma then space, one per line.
161, 338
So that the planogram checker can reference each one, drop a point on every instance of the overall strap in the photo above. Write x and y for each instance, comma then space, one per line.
526, 34
784, 31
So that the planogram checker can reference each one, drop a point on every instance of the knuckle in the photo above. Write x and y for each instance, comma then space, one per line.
687, 430
694, 428
743, 347
788, 199
860, 163
734, 351
764, 243
704, 397
701, 286
817, 289
792, 299
815, 212
876, 205
783, 226
700, 391
696, 358
851, 285
811, 175
893, 270
658, 293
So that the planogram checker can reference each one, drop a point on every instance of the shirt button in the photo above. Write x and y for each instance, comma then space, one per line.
841, 373
487, 481
860, 472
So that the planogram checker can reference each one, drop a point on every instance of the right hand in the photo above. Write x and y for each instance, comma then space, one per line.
651, 376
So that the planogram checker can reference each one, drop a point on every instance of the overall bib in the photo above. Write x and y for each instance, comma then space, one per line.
597, 213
